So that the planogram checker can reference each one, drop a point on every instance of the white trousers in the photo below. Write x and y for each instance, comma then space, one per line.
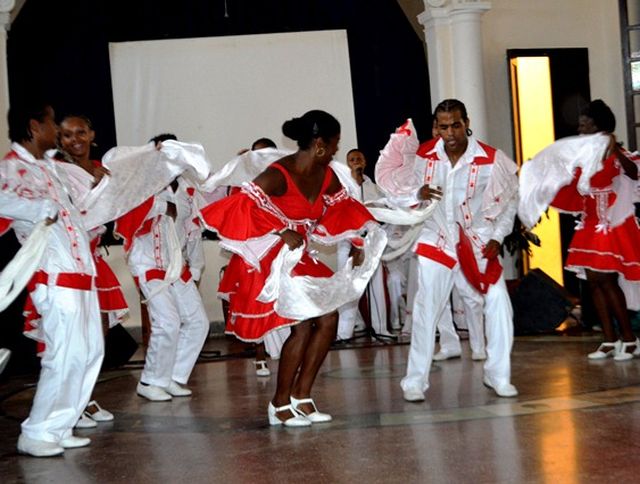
449, 339
435, 282
349, 314
179, 328
74, 348
469, 312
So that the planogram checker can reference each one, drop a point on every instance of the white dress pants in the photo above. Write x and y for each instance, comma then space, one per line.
434, 287
74, 348
449, 339
468, 314
435, 282
496, 308
179, 328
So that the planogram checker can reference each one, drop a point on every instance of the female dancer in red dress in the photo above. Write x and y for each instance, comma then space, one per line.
289, 202
604, 249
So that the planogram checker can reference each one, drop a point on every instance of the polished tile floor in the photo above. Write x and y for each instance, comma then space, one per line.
575, 421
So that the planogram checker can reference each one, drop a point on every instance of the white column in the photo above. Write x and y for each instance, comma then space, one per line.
453, 33
6, 6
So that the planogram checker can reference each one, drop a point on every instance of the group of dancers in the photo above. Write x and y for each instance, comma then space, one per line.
445, 206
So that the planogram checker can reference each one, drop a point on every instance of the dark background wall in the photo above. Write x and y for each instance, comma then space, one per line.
59, 49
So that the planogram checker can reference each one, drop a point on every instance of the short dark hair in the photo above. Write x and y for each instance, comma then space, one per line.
601, 115
21, 113
450, 105
311, 125
84, 118
263, 141
163, 137
354, 149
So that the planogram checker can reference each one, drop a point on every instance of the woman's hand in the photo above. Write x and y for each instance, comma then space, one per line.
99, 172
292, 238
430, 193
357, 255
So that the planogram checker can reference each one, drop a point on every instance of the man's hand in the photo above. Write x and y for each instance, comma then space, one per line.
292, 238
491, 250
430, 193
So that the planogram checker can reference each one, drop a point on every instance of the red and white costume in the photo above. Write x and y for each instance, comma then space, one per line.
179, 323
606, 238
269, 286
64, 294
479, 194
110, 296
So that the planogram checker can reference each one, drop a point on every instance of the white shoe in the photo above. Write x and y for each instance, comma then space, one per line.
606, 349
413, 395
100, 415
445, 355
176, 390
295, 421
478, 355
261, 368
623, 354
5, 356
85, 422
506, 390
38, 448
152, 392
74, 442
313, 417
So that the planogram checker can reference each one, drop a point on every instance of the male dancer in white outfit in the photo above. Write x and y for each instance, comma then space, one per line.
479, 190
33, 190
179, 323
362, 189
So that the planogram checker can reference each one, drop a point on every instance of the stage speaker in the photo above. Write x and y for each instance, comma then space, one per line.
540, 304
119, 347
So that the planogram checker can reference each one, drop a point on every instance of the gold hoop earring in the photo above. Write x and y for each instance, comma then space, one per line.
320, 152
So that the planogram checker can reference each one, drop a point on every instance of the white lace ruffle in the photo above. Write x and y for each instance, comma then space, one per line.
305, 297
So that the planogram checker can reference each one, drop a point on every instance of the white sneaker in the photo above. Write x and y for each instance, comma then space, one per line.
506, 390
175, 390
478, 355
152, 392
85, 422
413, 395
74, 442
445, 355
38, 448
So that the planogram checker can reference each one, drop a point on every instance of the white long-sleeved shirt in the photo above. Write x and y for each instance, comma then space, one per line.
150, 250
32, 190
464, 200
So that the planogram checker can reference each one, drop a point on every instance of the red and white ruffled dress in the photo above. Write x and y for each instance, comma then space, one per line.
246, 223
607, 238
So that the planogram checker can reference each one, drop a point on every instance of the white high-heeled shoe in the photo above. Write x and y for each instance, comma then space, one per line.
315, 416
623, 354
606, 349
296, 421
